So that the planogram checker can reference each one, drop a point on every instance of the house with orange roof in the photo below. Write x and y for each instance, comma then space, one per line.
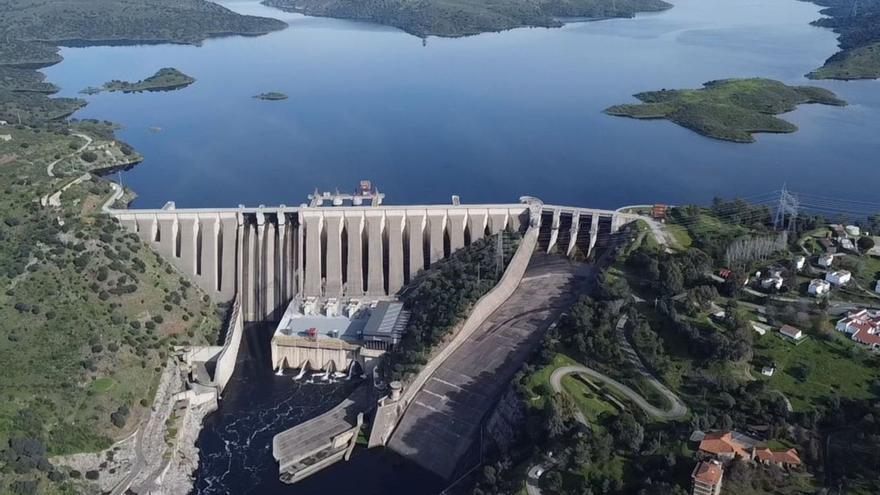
787, 458
722, 446
707, 476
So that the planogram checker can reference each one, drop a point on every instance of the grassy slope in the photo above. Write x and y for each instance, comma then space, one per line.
70, 352
834, 365
466, 17
730, 109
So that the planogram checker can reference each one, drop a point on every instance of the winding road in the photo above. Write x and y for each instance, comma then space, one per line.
50, 169
677, 411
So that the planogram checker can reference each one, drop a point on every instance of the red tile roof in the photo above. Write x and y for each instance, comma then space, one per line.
863, 337
718, 443
708, 472
789, 457
789, 331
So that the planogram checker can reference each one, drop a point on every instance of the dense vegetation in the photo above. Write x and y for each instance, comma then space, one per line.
858, 23
710, 360
164, 79
89, 313
466, 17
441, 297
177, 21
729, 109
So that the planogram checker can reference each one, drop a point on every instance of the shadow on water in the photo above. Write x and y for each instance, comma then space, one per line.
236, 441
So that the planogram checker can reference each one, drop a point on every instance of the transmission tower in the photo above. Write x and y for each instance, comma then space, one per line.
786, 211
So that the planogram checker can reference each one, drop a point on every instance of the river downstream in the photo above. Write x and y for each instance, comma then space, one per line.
235, 443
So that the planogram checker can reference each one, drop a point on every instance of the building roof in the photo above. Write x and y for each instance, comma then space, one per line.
788, 457
708, 472
789, 331
864, 337
718, 443
387, 321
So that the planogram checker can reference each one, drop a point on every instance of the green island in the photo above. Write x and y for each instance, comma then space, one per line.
453, 18
271, 96
858, 24
729, 109
165, 79
32, 30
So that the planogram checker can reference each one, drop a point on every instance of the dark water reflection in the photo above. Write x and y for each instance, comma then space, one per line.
236, 442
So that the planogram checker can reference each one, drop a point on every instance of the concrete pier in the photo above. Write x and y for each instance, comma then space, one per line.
312, 446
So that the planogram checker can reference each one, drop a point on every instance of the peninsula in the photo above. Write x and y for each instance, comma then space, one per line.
271, 96
729, 109
166, 79
858, 24
31, 32
455, 18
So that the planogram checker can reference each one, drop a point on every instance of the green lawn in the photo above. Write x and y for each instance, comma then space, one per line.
831, 365
594, 409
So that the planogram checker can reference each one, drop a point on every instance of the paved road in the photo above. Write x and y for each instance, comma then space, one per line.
534, 478
136, 466
678, 409
50, 169
444, 418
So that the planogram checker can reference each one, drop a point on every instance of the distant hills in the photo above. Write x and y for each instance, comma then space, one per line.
451, 18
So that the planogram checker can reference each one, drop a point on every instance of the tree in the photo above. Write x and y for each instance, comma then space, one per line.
865, 243
629, 432
89, 156
554, 481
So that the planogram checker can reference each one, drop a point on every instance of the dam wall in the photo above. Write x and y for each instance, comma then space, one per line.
266, 256
229, 354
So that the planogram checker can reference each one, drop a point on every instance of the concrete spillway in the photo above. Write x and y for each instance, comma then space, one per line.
266, 256
442, 423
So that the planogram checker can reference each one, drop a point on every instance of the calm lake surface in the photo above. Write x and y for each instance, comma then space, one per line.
489, 117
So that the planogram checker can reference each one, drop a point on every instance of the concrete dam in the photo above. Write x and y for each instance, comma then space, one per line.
266, 256
329, 276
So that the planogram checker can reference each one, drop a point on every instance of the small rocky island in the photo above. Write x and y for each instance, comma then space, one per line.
166, 79
271, 96
728, 109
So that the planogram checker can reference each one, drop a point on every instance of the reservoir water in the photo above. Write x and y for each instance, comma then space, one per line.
489, 117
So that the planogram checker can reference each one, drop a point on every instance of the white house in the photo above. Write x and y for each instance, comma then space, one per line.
791, 332
3, 122
5, 137
768, 370
877, 287
826, 260
853, 230
799, 262
840, 277
862, 326
818, 287
760, 327
847, 244
774, 281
